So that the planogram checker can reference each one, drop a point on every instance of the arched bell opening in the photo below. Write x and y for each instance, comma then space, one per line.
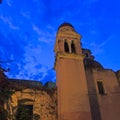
73, 50
66, 47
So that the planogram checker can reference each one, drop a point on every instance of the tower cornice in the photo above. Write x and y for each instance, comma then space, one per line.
70, 55
62, 55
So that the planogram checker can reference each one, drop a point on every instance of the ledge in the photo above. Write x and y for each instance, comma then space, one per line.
70, 56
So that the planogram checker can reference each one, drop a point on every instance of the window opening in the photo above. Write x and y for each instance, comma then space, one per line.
100, 87
66, 47
24, 112
73, 48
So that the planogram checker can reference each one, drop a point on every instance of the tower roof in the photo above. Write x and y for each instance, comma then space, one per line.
65, 24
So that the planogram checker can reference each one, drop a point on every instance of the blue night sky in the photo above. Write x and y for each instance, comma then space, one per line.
28, 30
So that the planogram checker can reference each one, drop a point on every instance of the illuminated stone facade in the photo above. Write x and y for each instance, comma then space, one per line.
73, 101
85, 90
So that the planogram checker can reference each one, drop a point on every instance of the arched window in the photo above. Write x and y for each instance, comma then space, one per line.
24, 112
66, 47
73, 48
24, 109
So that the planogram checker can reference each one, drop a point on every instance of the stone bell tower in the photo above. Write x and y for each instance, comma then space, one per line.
73, 101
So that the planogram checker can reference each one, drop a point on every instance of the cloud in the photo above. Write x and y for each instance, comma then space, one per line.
38, 34
50, 76
35, 28
33, 64
8, 20
9, 2
26, 14
44, 36
29, 69
98, 48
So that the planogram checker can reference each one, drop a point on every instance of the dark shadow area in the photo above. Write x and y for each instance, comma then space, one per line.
100, 87
66, 47
73, 48
5, 95
24, 112
92, 94
36, 117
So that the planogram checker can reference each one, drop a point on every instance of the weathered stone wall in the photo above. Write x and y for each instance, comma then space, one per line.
44, 99
44, 102
109, 103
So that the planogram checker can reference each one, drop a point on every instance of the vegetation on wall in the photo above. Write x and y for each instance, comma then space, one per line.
5, 94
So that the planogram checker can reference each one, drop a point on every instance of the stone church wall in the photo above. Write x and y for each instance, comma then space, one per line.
44, 103
109, 102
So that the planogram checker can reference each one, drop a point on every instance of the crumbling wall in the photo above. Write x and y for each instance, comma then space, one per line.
44, 103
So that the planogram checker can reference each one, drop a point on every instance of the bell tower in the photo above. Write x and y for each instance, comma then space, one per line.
73, 101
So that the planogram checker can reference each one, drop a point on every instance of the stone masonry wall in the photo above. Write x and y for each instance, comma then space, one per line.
44, 102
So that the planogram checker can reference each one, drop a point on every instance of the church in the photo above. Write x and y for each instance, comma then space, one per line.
84, 89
